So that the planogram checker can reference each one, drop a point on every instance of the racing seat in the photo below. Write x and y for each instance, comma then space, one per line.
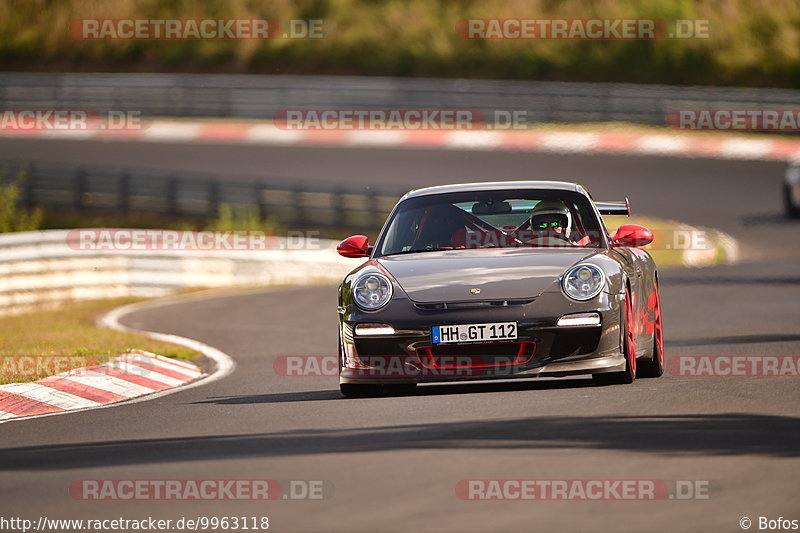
441, 228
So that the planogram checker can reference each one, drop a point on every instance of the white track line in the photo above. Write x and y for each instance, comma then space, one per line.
745, 148
69, 134
661, 144
171, 131
270, 134
570, 142
558, 141
475, 139
375, 138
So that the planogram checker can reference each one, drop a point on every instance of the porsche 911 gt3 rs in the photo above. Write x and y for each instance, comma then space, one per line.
498, 280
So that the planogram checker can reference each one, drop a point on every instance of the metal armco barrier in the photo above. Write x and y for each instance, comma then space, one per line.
118, 190
262, 96
38, 267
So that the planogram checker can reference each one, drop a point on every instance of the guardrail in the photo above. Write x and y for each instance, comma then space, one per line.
293, 204
40, 267
262, 96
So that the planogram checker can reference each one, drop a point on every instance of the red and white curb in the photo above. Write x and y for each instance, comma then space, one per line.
130, 378
572, 142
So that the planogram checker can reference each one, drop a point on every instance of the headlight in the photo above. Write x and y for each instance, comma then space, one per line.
372, 291
583, 282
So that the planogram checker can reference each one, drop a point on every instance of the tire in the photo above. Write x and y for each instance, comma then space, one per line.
360, 390
654, 367
628, 348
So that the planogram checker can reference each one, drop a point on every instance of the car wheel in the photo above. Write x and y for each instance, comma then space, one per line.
654, 367
628, 348
360, 390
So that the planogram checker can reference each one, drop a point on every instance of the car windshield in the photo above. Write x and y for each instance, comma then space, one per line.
492, 219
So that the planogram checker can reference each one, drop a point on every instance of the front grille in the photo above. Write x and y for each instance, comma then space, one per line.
440, 306
476, 355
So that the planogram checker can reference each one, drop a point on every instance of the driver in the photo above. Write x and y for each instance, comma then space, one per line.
550, 224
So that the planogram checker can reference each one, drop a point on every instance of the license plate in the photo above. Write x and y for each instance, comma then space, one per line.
497, 331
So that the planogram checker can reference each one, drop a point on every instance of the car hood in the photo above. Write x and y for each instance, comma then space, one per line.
500, 274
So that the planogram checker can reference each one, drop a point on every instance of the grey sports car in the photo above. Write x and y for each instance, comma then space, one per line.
498, 280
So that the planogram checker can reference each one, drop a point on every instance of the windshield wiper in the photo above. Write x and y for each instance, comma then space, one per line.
420, 250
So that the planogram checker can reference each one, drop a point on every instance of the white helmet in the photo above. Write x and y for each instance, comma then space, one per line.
551, 208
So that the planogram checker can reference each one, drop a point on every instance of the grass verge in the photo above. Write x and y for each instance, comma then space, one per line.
749, 43
676, 244
34, 344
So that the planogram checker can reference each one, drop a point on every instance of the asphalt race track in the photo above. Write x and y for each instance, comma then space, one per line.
394, 462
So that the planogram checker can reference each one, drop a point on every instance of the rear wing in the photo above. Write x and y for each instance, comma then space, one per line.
614, 208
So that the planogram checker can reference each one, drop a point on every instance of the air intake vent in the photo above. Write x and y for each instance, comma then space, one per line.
471, 304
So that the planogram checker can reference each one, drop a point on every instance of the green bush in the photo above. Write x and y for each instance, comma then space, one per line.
754, 42
12, 217
242, 218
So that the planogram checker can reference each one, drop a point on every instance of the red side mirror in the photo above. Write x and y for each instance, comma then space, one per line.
632, 235
355, 246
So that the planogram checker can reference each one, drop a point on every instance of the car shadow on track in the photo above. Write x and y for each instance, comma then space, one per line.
688, 435
768, 219
427, 390
734, 339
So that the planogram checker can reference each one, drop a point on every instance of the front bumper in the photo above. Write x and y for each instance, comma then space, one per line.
541, 349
